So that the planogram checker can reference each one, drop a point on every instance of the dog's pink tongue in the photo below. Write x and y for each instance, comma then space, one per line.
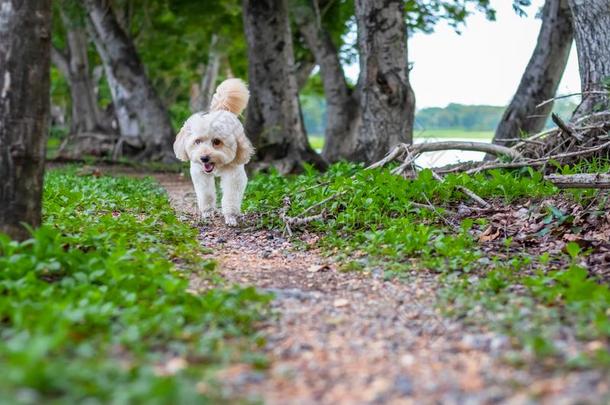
208, 167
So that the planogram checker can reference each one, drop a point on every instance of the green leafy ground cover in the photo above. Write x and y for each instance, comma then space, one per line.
373, 221
94, 307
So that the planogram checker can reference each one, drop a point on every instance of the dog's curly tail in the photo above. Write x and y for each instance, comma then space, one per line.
231, 95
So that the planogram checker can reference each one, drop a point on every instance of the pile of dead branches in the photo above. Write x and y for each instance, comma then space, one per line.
585, 137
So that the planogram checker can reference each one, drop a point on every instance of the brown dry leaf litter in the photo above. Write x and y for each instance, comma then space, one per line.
353, 338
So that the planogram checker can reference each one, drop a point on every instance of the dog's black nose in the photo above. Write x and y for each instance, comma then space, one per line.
205, 159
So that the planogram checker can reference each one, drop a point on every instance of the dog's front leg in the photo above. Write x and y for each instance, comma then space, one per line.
233, 184
205, 189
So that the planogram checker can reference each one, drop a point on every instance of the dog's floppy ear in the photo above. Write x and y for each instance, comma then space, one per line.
180, 143
244, 150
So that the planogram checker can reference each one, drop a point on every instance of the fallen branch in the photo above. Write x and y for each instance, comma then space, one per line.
496, 150
393, 154
302, 219
538, 162
415, 150
504, 140
584, 180
565, 127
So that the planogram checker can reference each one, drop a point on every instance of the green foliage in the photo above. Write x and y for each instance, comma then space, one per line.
424, 15
458, 116
378, 220
92, 305
372, 209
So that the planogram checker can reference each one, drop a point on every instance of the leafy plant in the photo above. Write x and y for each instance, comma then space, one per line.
93, 308
400, 225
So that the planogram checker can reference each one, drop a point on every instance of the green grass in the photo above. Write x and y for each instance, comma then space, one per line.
372, 214
94, 303
452, 133
316, 141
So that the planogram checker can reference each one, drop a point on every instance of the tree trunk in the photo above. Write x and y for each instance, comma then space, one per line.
592, 34
386, 97
73, 63
341, 103
542, 75
201, 97
274, 122
143, 120
25, 41
303, 71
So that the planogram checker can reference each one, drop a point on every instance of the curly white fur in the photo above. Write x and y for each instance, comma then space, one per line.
216, 145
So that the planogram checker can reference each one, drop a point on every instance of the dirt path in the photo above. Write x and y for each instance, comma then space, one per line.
350, 338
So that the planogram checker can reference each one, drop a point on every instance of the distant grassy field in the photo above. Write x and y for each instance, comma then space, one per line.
452, 133
317, 141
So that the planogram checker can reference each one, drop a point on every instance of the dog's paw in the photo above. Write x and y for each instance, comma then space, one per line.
206, 215
231, 220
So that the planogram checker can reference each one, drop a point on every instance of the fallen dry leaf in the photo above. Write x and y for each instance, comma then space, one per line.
318, 268
489, 234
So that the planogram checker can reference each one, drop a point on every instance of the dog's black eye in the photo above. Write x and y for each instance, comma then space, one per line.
216, 142
197, 141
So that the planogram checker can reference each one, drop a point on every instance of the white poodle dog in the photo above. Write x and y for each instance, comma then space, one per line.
215, 144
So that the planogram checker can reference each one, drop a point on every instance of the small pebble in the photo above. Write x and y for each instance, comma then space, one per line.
403, 385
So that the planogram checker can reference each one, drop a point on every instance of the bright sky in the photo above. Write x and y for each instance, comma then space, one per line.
483, 65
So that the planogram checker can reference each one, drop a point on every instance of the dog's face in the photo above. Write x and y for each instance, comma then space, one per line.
213, 140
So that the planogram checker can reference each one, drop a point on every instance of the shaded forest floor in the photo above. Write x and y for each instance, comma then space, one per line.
363, 337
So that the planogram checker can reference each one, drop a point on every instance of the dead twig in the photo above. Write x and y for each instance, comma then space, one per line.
466, 191
550, 100
538, 162
324, 201
565, 127
519, 140
283, 211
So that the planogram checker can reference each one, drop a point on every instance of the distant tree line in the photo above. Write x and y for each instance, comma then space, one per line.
476, 117
453, 116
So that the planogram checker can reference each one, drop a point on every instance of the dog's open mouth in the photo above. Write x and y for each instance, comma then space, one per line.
208, 167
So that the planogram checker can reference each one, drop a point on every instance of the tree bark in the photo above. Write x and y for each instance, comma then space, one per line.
25, 41
303, 71
274, 122
73, 63
341, 102
592, 34
143, 120
386, 97
542, 75
202, 96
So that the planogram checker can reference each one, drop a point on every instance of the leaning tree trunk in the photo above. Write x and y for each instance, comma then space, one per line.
592, 34
274, 121
386, 97
342, 109
201, 94
73, 63
25, 40
541, 77
135, 99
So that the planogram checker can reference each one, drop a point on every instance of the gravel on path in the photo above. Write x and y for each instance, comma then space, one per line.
356, 338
